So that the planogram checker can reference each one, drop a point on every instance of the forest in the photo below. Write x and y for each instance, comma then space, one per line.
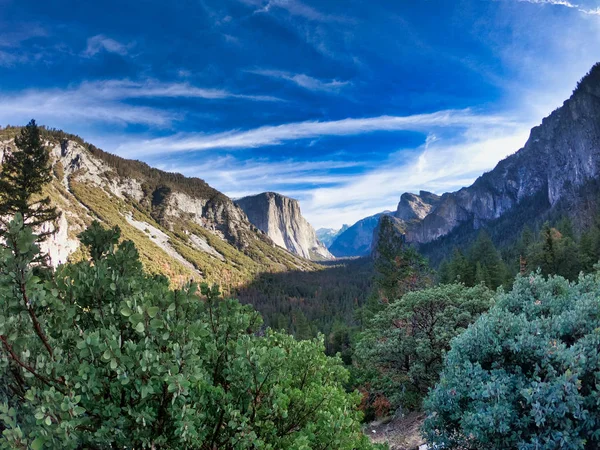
498, 346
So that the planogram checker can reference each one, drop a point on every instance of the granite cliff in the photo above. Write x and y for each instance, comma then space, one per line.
282, 221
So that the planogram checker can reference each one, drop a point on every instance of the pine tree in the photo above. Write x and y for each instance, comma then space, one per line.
483, 253
24, 173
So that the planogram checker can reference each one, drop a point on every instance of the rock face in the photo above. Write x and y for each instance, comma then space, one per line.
416, 207
328, 235
357, 240
561, 155
280, 218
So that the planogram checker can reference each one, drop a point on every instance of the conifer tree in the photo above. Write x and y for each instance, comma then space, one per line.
23, 175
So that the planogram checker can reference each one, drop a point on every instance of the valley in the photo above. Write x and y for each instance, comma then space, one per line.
310, 226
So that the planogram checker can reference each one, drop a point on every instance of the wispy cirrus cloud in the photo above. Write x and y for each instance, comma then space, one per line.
99, 43
566, 3
277, 134
302, 80
250, 176
107, 101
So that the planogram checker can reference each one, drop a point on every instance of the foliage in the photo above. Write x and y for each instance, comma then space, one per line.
103, 355
403, 346
525, 375
481, 264
25, 171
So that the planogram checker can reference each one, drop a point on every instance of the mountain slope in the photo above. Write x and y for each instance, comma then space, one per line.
280, 218
556, 173
181, 226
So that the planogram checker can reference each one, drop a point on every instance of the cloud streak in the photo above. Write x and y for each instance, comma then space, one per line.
567, 4
303, 81
277, 134
107, 101
99, 43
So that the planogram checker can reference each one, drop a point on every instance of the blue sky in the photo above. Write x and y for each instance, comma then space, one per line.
344, 105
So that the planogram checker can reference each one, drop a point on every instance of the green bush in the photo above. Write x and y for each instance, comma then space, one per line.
525, 375
402, 348
103, 355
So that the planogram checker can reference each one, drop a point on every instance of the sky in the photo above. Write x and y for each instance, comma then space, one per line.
343, 105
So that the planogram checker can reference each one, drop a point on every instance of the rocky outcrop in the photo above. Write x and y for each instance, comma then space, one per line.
280, 218
358, 239
413, 206
561, 155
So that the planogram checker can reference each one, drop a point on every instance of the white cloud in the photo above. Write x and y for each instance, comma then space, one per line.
277, 134
551, 2
239, 178
567, 4
105, 101
304, 81
99, 43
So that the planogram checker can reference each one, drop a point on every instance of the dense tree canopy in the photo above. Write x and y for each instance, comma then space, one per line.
103, 355
401, 351
525, 375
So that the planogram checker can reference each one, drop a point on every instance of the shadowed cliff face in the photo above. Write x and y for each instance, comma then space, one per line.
280, 218
561, 155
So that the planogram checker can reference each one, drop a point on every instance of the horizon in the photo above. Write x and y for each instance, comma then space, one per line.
343, 107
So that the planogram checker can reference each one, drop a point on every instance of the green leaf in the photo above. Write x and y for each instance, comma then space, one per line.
156, 323
139, 327
113, 364
126, 312
38, 443
136, 318
153, 311
48, 421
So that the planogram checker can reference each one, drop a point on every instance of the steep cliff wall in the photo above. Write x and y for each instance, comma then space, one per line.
561, 156
280, 218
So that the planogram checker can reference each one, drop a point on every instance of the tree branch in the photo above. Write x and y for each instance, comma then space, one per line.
26, 366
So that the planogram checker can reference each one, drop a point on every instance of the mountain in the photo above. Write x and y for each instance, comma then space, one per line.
357, 239
328, 235
416, 207
181, 226
556, 172
280, 218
